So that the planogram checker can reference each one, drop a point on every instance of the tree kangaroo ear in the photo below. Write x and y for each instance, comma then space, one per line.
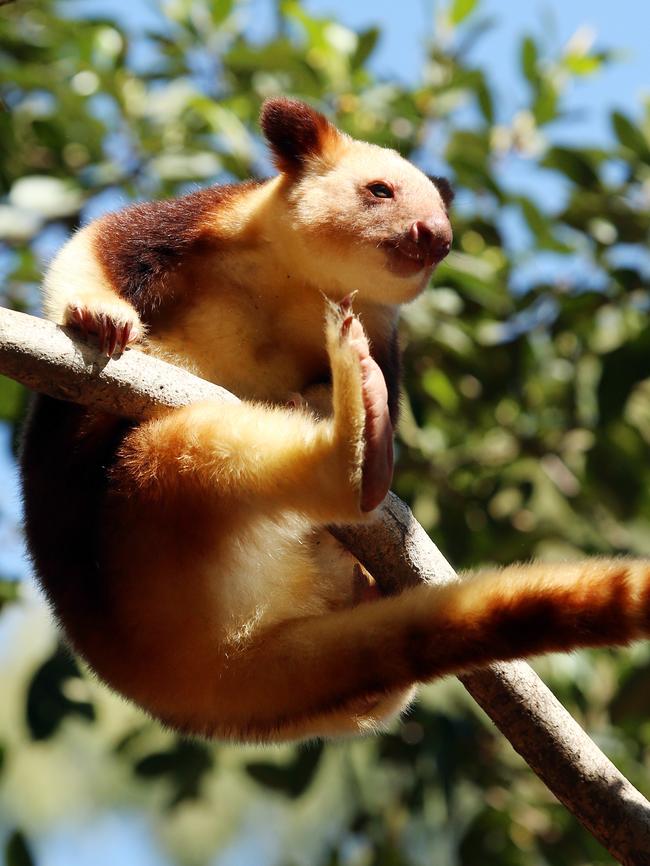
444, 187
296, 133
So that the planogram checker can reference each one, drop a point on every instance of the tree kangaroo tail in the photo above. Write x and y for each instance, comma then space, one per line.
317, 664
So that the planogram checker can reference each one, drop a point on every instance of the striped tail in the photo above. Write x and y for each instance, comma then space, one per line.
307, 667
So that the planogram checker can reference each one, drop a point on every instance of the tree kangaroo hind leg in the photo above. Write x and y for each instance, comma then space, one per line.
215, 490
276, 458
309, 667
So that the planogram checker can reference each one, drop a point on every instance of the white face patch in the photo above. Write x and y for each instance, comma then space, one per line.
337, 198
334, 211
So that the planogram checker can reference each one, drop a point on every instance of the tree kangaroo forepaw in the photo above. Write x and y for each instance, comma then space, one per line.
378, 456
112, 328
377, 471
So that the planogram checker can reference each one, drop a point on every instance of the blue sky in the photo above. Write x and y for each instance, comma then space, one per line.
622, 84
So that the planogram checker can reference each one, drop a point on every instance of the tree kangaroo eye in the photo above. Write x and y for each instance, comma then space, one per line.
381, 190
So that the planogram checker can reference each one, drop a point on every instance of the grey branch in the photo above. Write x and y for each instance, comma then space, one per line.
394, 548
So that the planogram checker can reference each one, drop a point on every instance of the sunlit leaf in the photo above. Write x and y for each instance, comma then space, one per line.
438, 386
461, 9
18, 225
47, 196
220, 10
12, 399
582, 64
9, 591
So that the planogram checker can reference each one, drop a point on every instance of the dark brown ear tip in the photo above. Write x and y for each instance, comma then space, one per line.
277, 106
444, 187
282, 103
294, 130
282, 109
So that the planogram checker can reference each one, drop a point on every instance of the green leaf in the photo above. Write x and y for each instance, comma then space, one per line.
541, 226
9, 591
47, 703
537, 222
366, 44
574, 164
583, 64
545, 104
468, 153
220, 10
438, 386
156, 764
461, 9
12, 399
17, 851
292, 778
485, 101
183, 766
631, 703
629, 135
529, 58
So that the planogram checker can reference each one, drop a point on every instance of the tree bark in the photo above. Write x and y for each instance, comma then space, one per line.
394, 548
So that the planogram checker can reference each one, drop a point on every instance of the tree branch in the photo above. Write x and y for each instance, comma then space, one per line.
395, 549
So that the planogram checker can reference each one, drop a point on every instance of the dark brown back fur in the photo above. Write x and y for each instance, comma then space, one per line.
64, 459
141, 246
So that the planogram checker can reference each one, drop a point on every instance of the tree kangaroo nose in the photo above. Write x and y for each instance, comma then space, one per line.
433, 236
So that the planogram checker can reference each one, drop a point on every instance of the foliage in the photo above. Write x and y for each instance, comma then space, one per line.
525, 431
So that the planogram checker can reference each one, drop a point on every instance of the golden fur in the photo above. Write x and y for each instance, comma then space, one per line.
186, 557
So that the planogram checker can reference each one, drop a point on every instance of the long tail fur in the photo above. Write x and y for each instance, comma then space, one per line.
317, 664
